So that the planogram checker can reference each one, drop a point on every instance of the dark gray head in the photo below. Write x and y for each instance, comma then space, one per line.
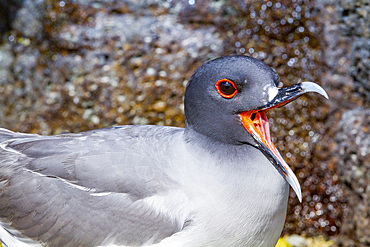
210, 114
227, 98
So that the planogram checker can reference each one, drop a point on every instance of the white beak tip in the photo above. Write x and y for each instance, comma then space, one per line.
313, 87
294, 183
299, 195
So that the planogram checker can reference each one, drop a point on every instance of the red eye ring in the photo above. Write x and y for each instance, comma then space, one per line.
226, 93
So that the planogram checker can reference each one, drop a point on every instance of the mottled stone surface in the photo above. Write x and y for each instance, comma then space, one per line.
348, 58
354, 22
79, 65
353, 152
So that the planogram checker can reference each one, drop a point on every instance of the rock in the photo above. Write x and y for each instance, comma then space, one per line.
28, 21
359, 71
354, 20
353, 153
6, 60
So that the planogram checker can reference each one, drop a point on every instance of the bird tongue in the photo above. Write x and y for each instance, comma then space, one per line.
262, 124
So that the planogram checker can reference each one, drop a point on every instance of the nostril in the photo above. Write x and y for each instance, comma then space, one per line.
253, 116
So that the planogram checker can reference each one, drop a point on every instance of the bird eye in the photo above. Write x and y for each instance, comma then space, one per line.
226, 88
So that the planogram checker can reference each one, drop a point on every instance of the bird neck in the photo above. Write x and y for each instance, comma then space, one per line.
226, 131
223, 150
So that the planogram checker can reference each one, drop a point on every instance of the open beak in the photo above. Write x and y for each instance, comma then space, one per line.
256, 123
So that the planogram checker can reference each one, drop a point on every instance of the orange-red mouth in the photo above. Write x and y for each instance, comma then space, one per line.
256, 123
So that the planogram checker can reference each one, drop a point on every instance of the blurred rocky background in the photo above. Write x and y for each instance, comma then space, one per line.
76, 65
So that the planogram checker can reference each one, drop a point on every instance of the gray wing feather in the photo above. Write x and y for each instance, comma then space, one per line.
47, 186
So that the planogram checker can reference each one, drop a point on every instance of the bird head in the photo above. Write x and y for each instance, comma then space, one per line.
227, 98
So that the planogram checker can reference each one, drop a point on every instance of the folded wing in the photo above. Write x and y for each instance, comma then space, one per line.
91, 188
